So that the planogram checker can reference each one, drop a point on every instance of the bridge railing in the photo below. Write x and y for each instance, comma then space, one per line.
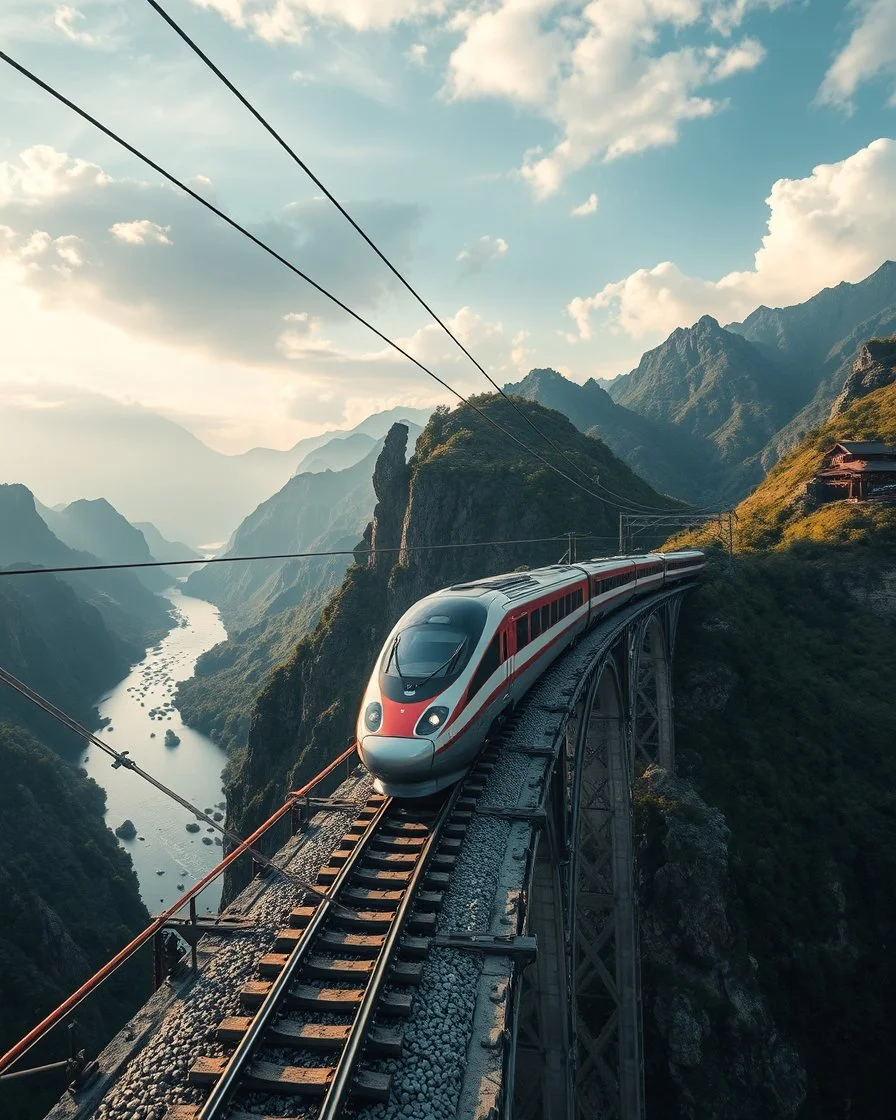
43, 1028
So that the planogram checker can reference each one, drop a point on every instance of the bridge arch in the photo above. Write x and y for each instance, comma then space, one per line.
578, 1045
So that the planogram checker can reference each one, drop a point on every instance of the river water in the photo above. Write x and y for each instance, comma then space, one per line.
139, 711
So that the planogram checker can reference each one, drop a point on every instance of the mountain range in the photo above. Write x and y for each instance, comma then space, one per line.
705, 414
152, 469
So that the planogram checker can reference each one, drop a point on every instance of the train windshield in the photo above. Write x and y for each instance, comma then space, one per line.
432, 648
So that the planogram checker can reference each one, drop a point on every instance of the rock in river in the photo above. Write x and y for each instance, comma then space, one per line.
171, 740
126, 830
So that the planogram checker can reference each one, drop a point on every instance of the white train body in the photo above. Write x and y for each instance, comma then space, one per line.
460, 658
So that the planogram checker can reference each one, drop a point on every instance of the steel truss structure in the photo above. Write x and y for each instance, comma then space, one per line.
662, 525
578, 1046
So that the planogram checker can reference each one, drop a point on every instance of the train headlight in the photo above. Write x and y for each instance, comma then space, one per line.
373, 716
431, 720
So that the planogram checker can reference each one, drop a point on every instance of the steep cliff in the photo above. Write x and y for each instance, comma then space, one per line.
713, 1050
466, 483
874, 367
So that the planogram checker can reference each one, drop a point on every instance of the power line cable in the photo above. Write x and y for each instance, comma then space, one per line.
284, 556
121, 759
296, 158
25, 72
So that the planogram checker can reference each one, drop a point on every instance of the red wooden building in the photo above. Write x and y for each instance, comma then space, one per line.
863, 471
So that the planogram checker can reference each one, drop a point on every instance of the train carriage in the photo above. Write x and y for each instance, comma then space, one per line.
463, 656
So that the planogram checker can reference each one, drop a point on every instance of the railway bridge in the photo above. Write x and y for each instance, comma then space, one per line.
526, 986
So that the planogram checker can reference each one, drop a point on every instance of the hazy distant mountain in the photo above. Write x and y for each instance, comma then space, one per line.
163, 549
312, 512
339, 453
667, 459
97, 527
130, 611
149, 468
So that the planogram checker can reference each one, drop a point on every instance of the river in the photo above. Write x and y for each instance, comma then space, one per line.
192, 769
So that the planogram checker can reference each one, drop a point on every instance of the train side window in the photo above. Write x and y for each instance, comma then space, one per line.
545, 617
554, 612
490, 662
522, 631
577, 598
503, 645
536, 623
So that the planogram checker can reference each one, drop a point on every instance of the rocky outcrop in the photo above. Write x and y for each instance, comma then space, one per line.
126, 830
710, 1032
391, 483
873, 368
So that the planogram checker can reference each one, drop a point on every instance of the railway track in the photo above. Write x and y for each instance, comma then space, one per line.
331, 996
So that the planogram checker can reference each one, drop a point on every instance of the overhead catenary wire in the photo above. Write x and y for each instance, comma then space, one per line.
396, 272
121, 759
69, 568
208, 205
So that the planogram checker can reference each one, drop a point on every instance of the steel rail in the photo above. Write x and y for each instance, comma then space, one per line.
64, 1009
219, 1097
340, 1084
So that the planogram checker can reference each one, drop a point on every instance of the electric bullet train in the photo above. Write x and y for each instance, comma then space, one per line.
462, 657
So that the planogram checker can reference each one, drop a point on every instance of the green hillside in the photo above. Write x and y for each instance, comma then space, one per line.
775, 515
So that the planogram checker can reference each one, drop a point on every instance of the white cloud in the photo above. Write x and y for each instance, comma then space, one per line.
288, 20
600, 74
589, 206
416, 53
837, 224
870, 53
65, 19
209, 288
745, 56
475, 257
42, 173
506, 52
141, 232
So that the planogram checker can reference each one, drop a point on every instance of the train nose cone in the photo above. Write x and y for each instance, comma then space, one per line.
402, 759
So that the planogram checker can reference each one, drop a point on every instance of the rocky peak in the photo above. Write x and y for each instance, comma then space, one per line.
873, 368
391, 484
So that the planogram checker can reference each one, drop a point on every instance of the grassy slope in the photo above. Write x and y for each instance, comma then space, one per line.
773, 516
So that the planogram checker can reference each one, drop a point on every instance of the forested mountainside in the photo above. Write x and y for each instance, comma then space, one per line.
785, 723
70, 901
464, 484
129, 609
58, 644
709, 411
655, 450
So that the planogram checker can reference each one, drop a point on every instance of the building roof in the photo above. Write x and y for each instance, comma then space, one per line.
866, 447
848, 469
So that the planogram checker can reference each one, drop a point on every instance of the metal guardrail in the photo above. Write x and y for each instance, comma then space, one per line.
15, 1053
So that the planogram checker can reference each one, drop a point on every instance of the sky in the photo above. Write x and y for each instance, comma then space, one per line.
565, 183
